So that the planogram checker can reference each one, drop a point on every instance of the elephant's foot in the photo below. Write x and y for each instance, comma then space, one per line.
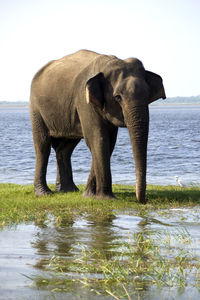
105, 193
90, 190
105, 196
42, 191
90, 194
66, 188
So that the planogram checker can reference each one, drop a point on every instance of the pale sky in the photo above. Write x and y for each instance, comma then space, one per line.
164, 34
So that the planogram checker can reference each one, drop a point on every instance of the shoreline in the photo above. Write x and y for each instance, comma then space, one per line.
19, 204
23, 105
26, 105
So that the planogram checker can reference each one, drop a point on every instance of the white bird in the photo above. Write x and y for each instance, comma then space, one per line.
179, 181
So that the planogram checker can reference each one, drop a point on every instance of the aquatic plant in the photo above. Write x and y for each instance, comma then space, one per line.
144, 262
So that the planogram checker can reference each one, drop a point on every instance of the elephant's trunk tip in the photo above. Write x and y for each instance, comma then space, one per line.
144, 201
164, 95
141, 195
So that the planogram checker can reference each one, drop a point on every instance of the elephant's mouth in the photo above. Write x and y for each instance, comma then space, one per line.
119, 122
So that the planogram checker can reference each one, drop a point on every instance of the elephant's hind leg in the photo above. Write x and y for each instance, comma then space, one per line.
42, 144
63, 149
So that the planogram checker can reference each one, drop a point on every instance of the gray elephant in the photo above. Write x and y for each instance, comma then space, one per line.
89, 95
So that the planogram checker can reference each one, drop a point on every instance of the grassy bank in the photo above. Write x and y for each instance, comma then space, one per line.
18, 203
165, 260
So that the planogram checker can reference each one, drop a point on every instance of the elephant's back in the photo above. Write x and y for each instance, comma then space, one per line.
66, 67
53, 85
82, 58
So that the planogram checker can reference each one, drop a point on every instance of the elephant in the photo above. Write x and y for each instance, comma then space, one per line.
89, 95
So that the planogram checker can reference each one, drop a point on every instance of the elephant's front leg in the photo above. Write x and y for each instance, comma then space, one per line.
100, 171
90, 190
103, 177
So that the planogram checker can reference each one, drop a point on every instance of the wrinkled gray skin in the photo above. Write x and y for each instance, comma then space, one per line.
88, 95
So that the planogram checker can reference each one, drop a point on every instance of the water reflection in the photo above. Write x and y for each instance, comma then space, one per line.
28, 249
66, 240
105, 234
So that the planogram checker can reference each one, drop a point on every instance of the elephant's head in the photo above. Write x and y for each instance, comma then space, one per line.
122, 91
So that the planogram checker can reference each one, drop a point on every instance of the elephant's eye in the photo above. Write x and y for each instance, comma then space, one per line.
118, 98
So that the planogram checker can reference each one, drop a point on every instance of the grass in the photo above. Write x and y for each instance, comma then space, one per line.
18, 203
145, 261
128, 269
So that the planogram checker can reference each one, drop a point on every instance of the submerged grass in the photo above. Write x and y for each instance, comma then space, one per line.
146, 261
18, 203
128, 269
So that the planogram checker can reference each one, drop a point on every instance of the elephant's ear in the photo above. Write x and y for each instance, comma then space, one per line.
95, 90
156, 88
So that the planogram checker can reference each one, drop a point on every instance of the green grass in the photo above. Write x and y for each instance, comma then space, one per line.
145, 261
127, 269
18, 203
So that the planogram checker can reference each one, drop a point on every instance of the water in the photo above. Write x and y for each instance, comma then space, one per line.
173, 149
26, 251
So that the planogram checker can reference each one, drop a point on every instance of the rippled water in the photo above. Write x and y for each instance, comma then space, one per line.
173, 149
26, 250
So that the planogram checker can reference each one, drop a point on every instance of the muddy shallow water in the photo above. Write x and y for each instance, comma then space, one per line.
26, 250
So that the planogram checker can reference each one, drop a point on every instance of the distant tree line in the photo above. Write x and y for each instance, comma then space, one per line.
179, 100
173, 100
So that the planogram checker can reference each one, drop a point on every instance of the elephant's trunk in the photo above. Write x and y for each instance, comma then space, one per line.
137, 121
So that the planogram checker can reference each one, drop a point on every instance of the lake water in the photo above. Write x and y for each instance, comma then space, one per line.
173, 149
27, 250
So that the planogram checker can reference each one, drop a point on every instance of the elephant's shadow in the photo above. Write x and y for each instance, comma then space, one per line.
125, 194
169, 195
173, 194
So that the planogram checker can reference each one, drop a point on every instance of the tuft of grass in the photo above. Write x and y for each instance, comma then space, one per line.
18, 203
146, 261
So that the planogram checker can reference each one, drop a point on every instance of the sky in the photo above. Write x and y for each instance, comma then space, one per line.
163, 34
